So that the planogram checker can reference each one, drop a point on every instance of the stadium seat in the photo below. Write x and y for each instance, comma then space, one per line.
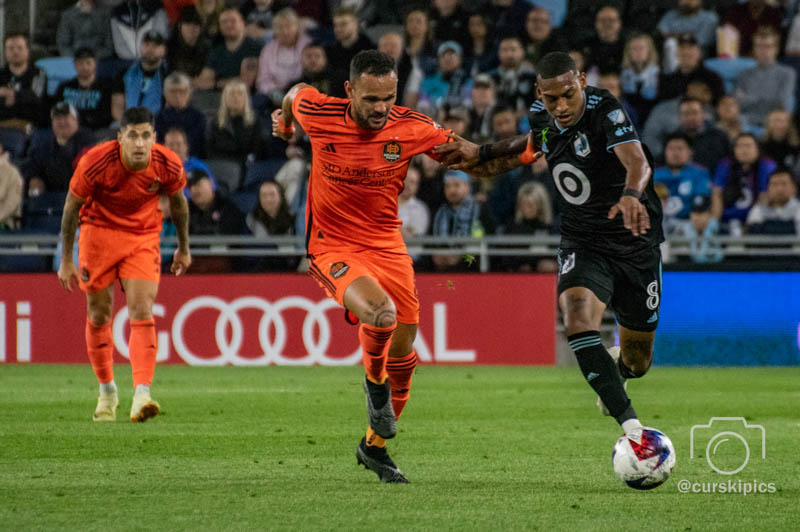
58, 69
42, 214
729, 68
259, 171
228, 174
13, 141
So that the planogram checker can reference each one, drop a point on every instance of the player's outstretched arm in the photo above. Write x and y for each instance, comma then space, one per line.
179, 210
69, 224
634, 213
283, 118
488, 159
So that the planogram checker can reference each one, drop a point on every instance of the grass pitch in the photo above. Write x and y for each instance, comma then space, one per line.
485, 448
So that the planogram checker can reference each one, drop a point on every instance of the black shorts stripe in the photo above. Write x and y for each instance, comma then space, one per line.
315, 272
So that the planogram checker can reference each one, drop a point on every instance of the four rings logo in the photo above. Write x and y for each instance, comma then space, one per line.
272, 332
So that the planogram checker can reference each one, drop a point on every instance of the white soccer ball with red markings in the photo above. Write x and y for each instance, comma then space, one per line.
643, 460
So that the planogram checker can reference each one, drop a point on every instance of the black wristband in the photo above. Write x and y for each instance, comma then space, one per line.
632, 192
484, 153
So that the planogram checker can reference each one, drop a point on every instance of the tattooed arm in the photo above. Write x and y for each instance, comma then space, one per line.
69, 224
179, 210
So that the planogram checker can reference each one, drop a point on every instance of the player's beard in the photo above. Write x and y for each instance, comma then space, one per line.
364, 121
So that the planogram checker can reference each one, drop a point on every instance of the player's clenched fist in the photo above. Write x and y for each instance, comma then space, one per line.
181, 261
66, 271
279, 127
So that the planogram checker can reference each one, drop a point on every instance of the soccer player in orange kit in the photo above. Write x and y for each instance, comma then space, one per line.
114, 191
361, 149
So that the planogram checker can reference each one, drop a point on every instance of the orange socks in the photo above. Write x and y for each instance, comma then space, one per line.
400, 371
375, 349
100, 347
143, 347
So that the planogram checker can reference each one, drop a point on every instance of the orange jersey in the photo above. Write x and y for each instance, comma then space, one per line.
123, 199
357, 173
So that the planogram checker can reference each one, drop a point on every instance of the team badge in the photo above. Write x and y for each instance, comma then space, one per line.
154, 186
338, 269
391, 151
84, 275
616, 116
581, 145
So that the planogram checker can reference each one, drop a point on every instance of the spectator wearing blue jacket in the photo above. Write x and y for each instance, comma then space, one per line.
683, 178
141, 84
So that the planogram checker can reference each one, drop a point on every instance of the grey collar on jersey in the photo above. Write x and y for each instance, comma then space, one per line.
555, 122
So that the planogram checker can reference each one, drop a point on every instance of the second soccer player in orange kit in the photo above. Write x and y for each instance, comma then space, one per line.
114, 191
361, 149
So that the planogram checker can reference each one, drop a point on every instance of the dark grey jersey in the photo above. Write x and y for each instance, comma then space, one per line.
590, 178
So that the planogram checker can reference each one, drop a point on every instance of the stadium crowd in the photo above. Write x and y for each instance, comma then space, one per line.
712, 90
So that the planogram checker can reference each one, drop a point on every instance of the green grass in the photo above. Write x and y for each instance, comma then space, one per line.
485, 448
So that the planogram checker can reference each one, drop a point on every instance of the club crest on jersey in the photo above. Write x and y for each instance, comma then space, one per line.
616, 116
391, 151
581, 145
338, 269
154, 186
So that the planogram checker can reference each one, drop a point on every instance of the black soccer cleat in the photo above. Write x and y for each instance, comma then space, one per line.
377, 459
380, 412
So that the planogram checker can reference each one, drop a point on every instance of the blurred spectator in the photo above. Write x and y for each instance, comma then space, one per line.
225, 58
258, 17
709, 144
349, 41
748, 17
236, 131
84, 26
211, 213
539, 39
279, 62
382, 12
669, 222
89, 95
480, 116
391, 43
53, 155
10, 193
461, 215
22, 85
131, 21
270, 216
450, 85
509, 15
500, 192
480, 53
740, 182
610, 81
730, 120
418, 36
450, 21
690, 68
780, 215
168, 229
173, 9
533, 215
431, 186
792, 47
781, 141
176, 139
178, 112
640, 74
702, 230
188, 48
142, 83
690, 17
314, 64
768, 85
210, 12
682, 178
457, 120
515, 78
604, 50
412, 212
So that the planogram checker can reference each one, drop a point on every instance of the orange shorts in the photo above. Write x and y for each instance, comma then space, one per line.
105, 255
393, 271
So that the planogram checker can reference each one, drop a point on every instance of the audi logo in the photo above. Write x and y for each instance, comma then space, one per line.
272, 349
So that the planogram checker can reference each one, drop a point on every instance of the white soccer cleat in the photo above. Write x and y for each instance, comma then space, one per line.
613, 352
143, 407
106, 409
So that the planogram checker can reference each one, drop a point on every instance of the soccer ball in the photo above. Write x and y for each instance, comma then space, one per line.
643, 460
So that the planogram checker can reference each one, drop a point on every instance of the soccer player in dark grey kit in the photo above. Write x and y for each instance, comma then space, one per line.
611, 222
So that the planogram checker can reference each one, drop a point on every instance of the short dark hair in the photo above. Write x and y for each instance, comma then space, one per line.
136, 115
346, 11
689, 99
783, 170
179, 130
371, 62
502, 107
677, 136
555, 64
17, 34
